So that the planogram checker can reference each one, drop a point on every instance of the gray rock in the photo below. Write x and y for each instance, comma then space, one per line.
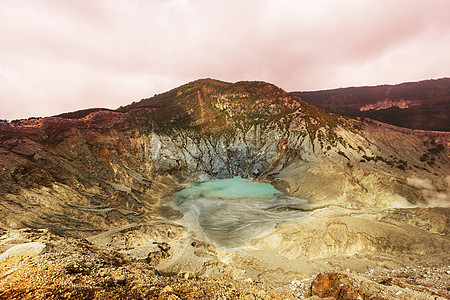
28, 249
185, 257
141, 253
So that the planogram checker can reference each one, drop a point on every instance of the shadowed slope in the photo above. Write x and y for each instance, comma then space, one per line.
417, 105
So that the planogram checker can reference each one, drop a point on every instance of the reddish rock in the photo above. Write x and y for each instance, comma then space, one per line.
334, 285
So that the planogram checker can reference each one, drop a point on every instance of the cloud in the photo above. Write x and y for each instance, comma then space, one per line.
66, 55
420, 183
434, 195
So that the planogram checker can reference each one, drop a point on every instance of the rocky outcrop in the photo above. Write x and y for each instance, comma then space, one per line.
343, 287
31, 249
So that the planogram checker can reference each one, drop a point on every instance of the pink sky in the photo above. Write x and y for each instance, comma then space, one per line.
58, 56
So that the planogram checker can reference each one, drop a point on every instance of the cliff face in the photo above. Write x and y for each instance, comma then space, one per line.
419, 105
90, 171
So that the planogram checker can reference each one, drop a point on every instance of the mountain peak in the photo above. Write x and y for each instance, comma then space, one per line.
213, 104
209, 87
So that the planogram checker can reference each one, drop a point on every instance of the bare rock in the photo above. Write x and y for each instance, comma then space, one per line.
28, 249
143, 252
332, 284
184, 257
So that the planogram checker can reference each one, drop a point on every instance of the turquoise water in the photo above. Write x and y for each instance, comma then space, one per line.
233, 188
231, 212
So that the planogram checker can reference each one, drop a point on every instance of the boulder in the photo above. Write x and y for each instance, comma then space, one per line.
28, 249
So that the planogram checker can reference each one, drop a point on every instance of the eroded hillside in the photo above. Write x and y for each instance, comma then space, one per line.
418, 105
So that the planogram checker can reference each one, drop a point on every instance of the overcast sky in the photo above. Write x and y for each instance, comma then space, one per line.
62, 55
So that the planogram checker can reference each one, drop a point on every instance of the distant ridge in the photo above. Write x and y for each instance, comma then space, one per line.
417, 105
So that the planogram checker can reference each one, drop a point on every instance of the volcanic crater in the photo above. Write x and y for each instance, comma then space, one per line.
373, 199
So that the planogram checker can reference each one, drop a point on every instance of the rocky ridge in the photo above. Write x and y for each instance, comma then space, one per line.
108, 175
419, 105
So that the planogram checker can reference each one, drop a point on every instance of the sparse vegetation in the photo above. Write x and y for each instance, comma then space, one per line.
394, 162
343, 154
430, 156
81, 113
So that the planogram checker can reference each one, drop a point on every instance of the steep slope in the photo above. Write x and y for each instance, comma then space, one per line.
107, 176
416, 105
